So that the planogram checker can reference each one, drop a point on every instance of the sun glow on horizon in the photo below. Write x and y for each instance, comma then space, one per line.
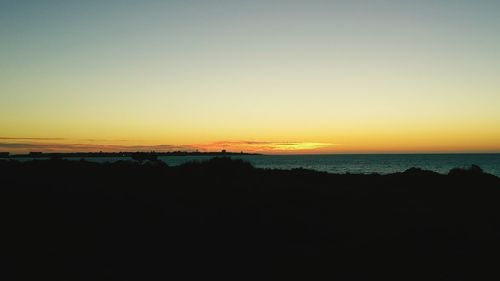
26, 145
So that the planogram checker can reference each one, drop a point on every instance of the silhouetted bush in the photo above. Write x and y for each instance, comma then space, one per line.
473, 169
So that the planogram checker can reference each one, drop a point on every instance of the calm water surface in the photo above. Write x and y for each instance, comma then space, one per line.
382, 164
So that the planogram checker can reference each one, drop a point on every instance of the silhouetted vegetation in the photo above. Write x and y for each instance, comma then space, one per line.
78, 220
144, 156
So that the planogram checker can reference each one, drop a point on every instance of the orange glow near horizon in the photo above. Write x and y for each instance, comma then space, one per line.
26, 145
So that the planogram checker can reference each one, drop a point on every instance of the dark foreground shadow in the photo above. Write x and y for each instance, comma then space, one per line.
224, 219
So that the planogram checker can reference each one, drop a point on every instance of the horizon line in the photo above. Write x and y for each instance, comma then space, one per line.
261, 153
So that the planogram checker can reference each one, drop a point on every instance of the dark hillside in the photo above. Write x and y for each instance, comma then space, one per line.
76, 220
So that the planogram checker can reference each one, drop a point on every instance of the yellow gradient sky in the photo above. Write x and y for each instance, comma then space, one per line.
259, 76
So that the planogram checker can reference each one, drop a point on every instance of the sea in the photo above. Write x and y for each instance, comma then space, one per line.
352, 163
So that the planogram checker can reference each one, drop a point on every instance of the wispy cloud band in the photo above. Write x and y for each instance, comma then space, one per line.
266, 146
24, 145
60, 147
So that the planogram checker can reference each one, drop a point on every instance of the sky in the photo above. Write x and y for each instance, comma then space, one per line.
265, 76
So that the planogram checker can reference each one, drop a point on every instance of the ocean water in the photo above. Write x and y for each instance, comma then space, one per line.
354, 163
365, 164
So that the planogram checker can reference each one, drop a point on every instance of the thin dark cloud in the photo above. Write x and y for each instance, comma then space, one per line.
18, 146
263, 143
265, 146
58, 147
241, 142
58, 139
12, 138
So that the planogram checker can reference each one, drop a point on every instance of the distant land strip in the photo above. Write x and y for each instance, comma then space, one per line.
121, 154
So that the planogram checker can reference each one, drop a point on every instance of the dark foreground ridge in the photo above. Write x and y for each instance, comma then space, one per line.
76, 220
